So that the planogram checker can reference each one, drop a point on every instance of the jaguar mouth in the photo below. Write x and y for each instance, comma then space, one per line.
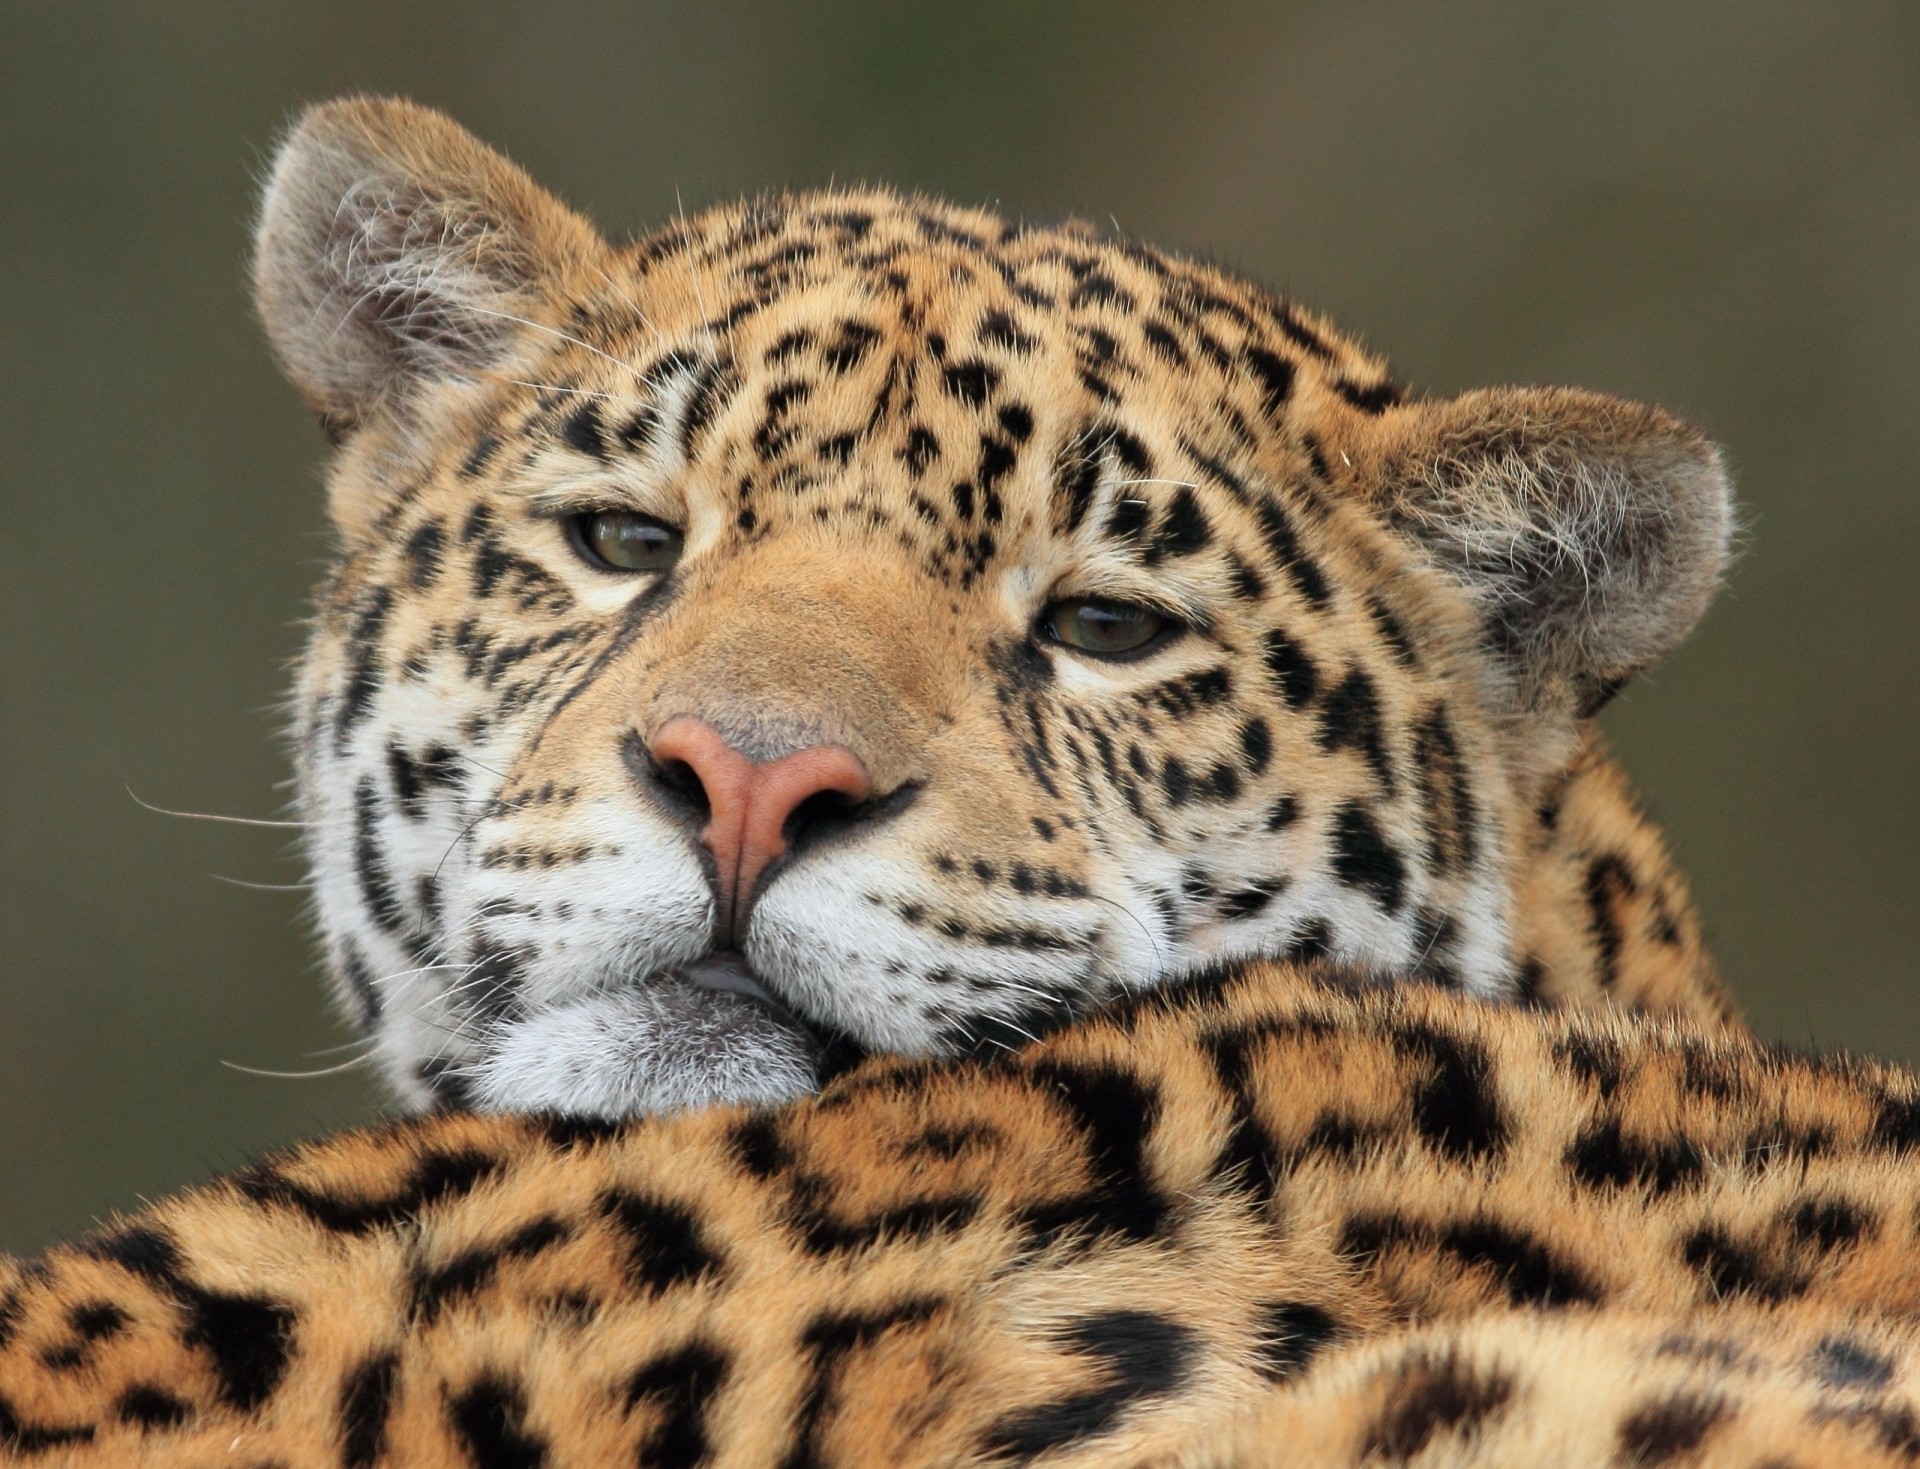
727, 972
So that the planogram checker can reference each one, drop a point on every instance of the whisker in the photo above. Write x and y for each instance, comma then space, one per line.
557, 388
214, 816
357, 1061
262, 887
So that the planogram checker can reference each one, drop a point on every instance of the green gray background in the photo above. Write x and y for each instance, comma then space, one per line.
1711, 205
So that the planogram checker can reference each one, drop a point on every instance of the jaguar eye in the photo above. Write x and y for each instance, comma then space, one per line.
625, 540
1104, 629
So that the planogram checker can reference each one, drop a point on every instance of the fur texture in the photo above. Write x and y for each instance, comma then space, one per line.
1267, 1220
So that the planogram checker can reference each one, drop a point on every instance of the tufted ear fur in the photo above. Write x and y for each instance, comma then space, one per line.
394, 248
1594, 531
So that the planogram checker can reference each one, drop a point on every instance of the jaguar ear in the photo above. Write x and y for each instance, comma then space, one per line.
1594, 531
394, 248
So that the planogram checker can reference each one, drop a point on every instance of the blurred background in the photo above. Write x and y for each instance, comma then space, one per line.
1714, 206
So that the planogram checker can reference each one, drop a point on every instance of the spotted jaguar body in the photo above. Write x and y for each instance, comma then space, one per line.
977, 845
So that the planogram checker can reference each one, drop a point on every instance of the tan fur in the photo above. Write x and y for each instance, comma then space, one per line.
1107, 1249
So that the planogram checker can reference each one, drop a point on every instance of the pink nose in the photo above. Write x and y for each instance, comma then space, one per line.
749, 803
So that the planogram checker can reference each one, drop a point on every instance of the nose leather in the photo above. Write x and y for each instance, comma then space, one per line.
749, 802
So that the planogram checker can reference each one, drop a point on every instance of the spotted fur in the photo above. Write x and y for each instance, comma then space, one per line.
1264, 1219
893, 433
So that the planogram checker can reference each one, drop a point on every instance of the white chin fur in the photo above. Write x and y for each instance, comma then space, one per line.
659, 1047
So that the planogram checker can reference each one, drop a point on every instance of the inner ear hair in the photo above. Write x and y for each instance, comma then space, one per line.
395, 249
1593, 531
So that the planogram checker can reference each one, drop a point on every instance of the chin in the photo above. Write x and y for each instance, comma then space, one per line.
702, 1036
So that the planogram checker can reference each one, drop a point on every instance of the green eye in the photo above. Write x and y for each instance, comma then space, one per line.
625, 540
1104, 629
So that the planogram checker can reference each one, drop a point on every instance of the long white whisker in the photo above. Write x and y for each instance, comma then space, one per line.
521, 382
214, 816
356, 1062
262, 887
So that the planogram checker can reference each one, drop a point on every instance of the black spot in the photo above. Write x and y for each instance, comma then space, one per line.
1829, 1224
1294, 674
1593, 1059
1176, 780
997, 329
666, 1246
471, 1269
1314, 941
366, 1397
1605, 1158
1729, 1268
148, 1252
970, 382
490, 1418
1256, 746
1284, 546
424, 551
1363, 858
1275, 374
922, 449
1138, 1355
713, 384
1527, 1270
1350, 719
363, 661
1250, 900
1127, 518
95, 1320
758, 1146
1077, 475
1114, 1112
370, 860
848, 349
1164, 344
1662, 1431
435, 768
1283, 813
827, 1341
679, 1387
1433, 1395
917, 1219
1183, 528
146, 1406
249, 1338
1451, 841
1371, 398
1845, 1364
477, 457
997, 460
439, 1176
1292, 1333
1017, 420
1456, 1105
580, 430
1608, 881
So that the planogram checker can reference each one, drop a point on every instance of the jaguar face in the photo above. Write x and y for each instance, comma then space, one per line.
847, 623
